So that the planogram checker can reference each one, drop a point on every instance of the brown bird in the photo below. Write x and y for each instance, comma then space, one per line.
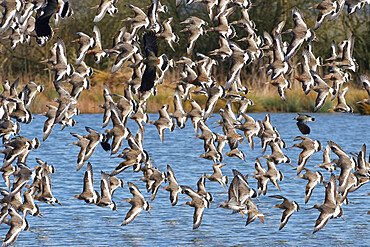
322, 90
82, 143
250, 127
173, 187
138, 204
239, 192
89, 195
305, 77
327, 164
163, 122
261, 178
28, 205
114, 183
202, 188
16, 223
273, 174
346, 164
366, 82
154, 181
342, 105
331, 208
289, 208
199, 202
253, 212
217, 175
309, 147
300, 33
313, 178
105, 199
326, 8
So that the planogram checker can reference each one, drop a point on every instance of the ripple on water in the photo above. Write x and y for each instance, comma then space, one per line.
78, 224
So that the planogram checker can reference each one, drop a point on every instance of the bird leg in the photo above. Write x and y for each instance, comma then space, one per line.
241, 211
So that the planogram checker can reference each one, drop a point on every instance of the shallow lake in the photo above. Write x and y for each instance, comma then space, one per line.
79, 224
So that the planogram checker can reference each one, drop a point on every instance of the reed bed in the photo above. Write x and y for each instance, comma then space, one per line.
265, 96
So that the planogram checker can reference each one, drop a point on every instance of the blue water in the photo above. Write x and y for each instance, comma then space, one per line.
76, 223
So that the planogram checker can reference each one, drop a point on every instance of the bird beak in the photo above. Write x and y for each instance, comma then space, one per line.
261, 218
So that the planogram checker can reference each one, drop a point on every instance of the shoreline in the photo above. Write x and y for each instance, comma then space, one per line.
266, 99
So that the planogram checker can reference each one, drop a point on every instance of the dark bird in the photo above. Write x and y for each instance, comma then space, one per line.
302, 123
151, 61
43, 30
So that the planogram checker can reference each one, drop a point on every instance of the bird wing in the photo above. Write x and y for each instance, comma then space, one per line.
102, 9
303, 127
309, 188
331, 191
135, 190
148, 79
88, 179
131, 214
285, 217
321, 221
366, 81
150, 44
198, 215
326, 155
12, 235
303, 157
337, 150
97, 37
61, 52
104, 186
42, 27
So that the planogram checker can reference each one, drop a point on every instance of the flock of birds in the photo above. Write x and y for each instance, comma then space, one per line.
195, 78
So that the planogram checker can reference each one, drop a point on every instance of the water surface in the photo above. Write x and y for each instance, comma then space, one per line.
76, 223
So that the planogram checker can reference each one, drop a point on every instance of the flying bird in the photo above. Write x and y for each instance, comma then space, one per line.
151, 61
138, 204
289, 208
302, 120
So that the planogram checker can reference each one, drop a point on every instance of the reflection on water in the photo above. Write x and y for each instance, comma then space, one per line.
79, 224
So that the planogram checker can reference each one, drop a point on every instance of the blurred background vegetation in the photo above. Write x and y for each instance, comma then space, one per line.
24, 61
